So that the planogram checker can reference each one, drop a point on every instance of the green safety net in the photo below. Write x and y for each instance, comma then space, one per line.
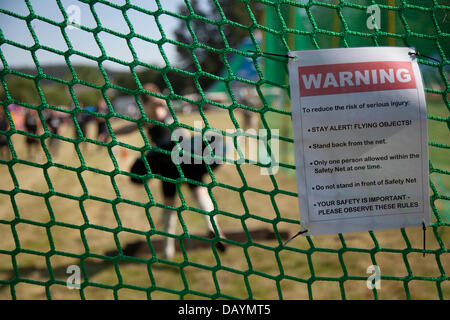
285, 25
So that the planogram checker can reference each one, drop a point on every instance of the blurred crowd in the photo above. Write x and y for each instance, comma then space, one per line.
28, 121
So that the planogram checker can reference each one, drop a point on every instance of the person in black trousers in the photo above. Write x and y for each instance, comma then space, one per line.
162, 164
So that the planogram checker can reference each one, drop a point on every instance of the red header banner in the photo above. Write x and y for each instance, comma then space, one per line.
355, 77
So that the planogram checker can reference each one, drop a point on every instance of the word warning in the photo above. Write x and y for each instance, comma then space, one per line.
360, 131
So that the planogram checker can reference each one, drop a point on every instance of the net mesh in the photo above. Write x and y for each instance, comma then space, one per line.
298, 267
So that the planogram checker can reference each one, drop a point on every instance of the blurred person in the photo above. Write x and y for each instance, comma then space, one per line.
17, 114
245, 98
4, 126
54, 122
162, 164
102, 129
32, 125
82, 118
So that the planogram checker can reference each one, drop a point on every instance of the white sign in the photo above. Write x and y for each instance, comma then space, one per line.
360, 131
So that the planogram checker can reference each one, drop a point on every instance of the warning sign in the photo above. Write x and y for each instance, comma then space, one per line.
360, 130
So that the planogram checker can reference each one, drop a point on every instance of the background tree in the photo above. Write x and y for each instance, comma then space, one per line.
89, 74
209, 34
89, 97
56, 95
22, 89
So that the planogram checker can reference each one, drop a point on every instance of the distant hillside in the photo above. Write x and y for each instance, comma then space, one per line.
63, 72
180, 83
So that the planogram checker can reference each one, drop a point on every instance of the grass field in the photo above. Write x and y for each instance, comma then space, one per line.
195, 274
